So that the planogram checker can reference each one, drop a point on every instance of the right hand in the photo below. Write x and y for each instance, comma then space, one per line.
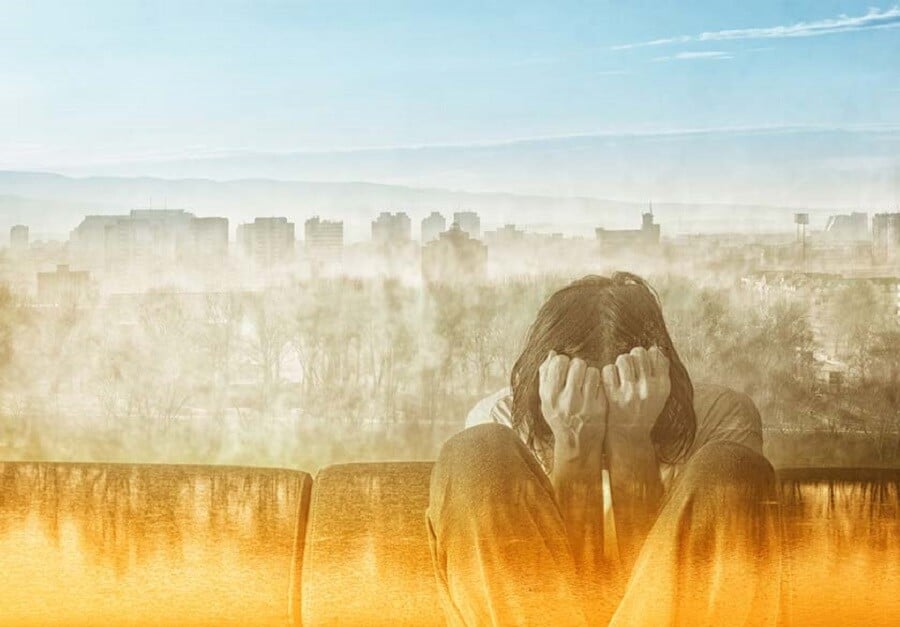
573, 402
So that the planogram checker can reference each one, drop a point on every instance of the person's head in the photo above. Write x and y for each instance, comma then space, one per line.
598, 318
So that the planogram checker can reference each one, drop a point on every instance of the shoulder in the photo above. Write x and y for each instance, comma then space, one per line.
727, 415
496, 407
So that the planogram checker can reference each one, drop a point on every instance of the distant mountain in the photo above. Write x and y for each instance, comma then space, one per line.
699, 181
849, 168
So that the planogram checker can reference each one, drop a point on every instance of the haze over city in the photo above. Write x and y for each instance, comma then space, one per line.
268, 266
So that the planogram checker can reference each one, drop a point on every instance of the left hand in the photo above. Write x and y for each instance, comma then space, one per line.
637, 387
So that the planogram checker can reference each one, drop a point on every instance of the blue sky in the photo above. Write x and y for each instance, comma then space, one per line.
100, 82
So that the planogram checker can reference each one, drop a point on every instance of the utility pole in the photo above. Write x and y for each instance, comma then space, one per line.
801, 220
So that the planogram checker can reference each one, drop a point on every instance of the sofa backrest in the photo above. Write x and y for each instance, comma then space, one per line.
136, 544
367, 560
841, 531
132, 544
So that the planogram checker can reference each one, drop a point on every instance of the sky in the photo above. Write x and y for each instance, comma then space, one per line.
93, 83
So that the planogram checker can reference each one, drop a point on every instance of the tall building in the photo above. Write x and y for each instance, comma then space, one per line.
267, 241
87, 242
18, 238
645, 237
469, 222
146, 238
848, 227
886, 237
432, 227
324, 239
391, 228
208, 238
454, 257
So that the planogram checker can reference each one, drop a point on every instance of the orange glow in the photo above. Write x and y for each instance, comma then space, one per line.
92, 544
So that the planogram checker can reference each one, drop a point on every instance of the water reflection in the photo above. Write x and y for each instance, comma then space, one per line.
147, 544
842, 540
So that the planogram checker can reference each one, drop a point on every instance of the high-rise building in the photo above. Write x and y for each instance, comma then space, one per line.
391, 228
18, 238
469, 222
267, 241
208, 238
848, 227
454, 257
324, 239
886, 237
432, 227
87, 242
146, 238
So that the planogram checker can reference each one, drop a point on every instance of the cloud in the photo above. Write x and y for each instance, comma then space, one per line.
690, 56
874, 19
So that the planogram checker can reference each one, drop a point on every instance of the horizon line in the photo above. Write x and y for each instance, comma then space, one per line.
226, 153
580, 197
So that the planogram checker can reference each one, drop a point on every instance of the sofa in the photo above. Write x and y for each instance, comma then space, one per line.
201, 545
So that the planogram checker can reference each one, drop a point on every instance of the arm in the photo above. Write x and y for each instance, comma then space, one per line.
574, 405
637, 491
637, 388
578, 486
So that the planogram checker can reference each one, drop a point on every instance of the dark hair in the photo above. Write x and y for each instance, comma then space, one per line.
598, 318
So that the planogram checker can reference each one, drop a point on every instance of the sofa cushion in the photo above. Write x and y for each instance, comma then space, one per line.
367, 560
143, 544
841, 546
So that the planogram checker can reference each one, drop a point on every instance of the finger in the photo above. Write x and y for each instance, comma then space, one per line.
610, 376
626, 368
544, 383
556, 374
641, 360
542, 369
593, 384
575, 377
643, 370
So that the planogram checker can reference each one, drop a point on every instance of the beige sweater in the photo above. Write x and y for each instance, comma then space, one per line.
722, 415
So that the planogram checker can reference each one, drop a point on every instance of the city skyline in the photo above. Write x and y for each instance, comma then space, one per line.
396, 225
182, 233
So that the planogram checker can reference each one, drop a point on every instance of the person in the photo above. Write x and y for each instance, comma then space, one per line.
599, 488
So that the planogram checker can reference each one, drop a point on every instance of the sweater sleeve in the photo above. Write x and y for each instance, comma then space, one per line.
493, 408
724, 415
